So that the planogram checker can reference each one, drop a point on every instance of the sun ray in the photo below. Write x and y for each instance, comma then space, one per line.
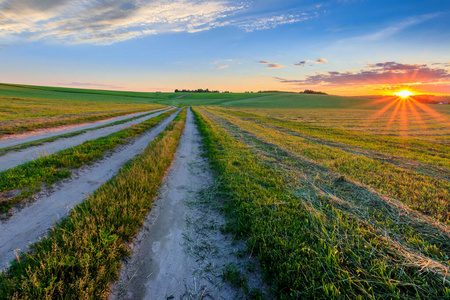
393, 116
379, 113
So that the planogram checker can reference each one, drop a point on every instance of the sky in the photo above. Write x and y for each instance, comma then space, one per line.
342, 47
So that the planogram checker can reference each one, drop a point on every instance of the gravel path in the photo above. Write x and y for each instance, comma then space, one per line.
16, 158
35, 135
33, 221
180, 253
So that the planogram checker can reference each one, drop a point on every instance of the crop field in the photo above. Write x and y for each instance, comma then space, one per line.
239, 196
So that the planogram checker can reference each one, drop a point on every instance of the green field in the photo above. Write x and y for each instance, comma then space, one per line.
337, 197
24, 108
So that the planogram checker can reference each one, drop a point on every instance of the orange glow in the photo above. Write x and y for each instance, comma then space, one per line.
404, 94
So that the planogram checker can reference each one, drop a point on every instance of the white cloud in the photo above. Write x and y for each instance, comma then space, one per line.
110, 21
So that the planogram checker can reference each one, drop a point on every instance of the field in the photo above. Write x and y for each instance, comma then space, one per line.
336, 198
24, 108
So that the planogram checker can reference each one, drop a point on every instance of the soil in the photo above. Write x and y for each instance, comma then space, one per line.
16, 158
181, 252
33, 221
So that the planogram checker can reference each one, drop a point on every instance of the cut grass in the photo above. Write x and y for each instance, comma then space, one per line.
3, 151
409, 148
29, 177
82, 254
421, 192
312, 250
413, 231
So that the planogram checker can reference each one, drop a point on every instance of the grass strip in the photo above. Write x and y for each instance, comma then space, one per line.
82, 254
27, 179
311, 251
3, 151
422, 193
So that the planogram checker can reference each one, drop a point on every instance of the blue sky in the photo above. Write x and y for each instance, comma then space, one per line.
346, 47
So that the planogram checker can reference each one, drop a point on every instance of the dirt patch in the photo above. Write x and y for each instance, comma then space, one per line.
181, 253
32, 222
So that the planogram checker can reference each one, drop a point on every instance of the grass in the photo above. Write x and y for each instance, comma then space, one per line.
421, 192
83, 253
3, 151
308, 245
28, 178
24, 109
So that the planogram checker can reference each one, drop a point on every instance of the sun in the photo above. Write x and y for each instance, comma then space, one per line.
404, 94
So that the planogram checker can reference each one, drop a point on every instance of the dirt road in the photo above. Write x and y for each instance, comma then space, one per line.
180, 253
16, 158
27, 225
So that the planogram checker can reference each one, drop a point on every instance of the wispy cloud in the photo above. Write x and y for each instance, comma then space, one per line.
393, 29
271, 65
221, 67
274, 66
321, 61
304, 62
107, 22
389, 73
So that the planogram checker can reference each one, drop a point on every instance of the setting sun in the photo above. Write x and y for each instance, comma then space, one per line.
404, 94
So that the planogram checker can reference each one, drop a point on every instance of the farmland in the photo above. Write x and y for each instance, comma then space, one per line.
336, 197
24, 108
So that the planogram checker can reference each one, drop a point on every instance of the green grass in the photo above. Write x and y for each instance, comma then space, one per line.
310, 248
29, 177
83, 253
421, 192
25, 109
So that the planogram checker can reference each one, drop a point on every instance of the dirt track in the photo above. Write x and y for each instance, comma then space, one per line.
180, 253
33, 221
16, 158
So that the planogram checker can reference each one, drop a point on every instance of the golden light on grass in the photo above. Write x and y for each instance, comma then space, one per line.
404, 94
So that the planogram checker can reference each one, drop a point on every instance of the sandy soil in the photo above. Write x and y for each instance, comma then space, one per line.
16, 158
32, 222
180, 253
38, 134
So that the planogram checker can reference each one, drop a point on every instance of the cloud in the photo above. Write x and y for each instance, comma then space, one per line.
389, 73
321, 61
393, 29
271, 65
442, 64
302, 63
274, 66
221, 67
107, 22
258, 23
